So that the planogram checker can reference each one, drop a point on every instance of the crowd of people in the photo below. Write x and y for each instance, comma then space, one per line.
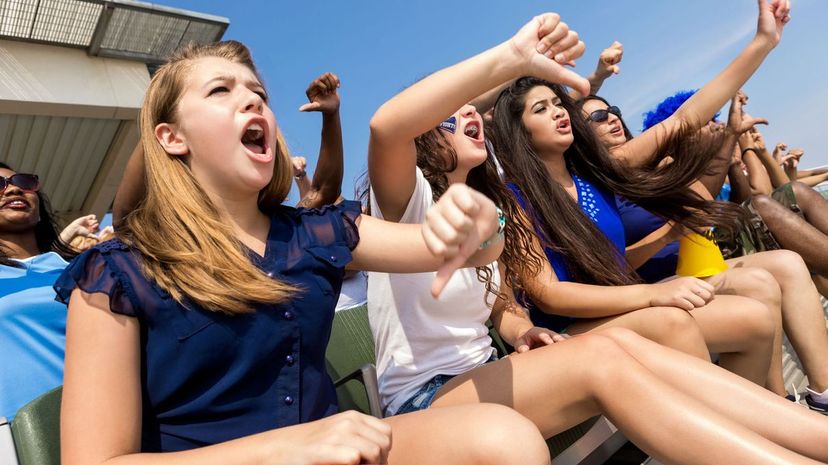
501, 188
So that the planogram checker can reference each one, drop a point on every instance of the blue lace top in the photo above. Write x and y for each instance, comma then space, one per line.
597, 205
207, 377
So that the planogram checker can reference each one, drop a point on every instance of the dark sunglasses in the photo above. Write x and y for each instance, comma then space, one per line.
599, 116
26, 182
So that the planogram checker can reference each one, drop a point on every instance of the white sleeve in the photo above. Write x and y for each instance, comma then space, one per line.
418, 204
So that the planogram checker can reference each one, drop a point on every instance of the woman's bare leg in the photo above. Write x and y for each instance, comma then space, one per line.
758, 284
779, 420
563, 384
741, 330
669, 326
483, 434
802, 313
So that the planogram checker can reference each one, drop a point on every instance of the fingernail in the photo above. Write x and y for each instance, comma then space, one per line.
560, 58
542, 47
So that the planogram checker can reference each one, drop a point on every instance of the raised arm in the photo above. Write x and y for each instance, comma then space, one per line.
701, 107
133, 186
327, 178
775, 172
607, 66
421, 107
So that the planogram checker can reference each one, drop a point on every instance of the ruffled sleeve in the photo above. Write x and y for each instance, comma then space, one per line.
101, 270
333, 224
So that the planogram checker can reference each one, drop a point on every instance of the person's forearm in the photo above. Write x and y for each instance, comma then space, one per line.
775, 172
811, 172
701, 107
132, 189
716, 172
327, 178
791, 172
587, 300
814, 180
304, 186
637, 254
487, 100
739, 185
425, 104
758, 178
509, 319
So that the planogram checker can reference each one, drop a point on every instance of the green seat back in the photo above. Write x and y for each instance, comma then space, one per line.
350, 347
36, 430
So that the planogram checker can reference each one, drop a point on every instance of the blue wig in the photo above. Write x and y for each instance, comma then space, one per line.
667, 107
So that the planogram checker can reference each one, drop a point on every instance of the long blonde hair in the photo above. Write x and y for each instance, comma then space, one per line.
187, 246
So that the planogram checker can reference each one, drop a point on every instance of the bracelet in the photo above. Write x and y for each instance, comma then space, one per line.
497, 235
750, 149
300, 176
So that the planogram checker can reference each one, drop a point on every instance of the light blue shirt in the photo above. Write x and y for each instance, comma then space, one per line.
32, 331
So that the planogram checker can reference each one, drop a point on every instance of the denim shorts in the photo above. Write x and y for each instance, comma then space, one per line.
423, 398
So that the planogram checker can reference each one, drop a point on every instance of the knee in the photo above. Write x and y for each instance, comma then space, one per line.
789, 267
602, 358
759, 284
492, 438
762, 202
801, 190
757, 320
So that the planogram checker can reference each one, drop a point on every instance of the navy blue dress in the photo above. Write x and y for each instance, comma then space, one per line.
208, 377
599, 206
638, 224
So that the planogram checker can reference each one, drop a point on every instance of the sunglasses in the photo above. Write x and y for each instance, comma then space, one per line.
26, 182
599, 116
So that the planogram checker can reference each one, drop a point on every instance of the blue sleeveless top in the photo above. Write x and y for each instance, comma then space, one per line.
208, 377
638, 223
599, 206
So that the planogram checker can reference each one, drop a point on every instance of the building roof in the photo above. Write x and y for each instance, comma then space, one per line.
125, 29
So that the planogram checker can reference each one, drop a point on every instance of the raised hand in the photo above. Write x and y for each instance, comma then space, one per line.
773, 16
545, 45
322, 94
737, 120
455, 227
758, 138
685, 293
609, 59
536, 337
300, 165
84, 226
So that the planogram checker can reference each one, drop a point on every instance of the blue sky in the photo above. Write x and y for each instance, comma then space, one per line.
379, 47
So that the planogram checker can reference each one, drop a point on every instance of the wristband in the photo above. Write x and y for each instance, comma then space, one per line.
497, 235
750, 149
300, 176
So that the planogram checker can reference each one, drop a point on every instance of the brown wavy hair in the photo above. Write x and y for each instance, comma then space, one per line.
436, 157
589, 255
187, 245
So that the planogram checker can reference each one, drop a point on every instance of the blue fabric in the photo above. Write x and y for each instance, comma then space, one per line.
208, 377
32, 331
724, 193
638, 223
597, 205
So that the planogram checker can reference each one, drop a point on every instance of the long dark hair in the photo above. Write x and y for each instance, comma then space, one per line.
46, 231
627, 134
435, 158
590, 256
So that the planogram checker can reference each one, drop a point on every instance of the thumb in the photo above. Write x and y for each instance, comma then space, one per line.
312, 106
572, 79
615, 69
444, 274
522, 347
